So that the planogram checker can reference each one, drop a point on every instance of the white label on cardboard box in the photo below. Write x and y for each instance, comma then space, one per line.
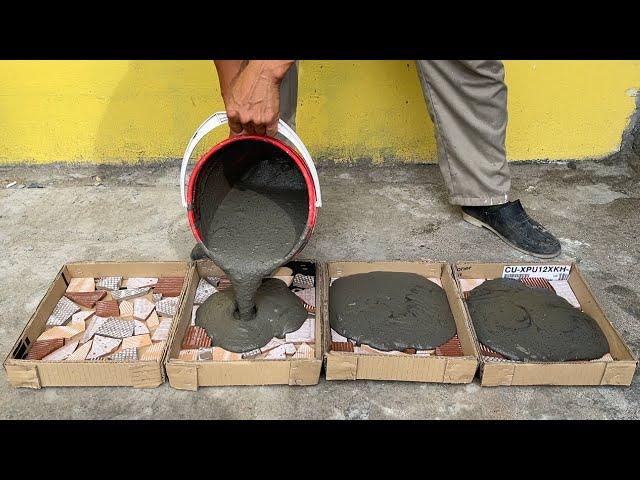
550, 272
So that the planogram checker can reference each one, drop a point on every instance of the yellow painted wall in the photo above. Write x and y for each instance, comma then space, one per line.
113, 111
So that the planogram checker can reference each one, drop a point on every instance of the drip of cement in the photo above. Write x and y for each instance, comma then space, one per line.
524, 323
391, 311
252, 216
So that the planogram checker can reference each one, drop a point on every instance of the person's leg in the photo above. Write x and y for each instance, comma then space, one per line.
467, 101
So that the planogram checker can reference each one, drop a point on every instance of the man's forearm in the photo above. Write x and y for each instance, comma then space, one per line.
227, 71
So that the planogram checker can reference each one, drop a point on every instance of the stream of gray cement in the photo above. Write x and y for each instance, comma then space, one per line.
393, 212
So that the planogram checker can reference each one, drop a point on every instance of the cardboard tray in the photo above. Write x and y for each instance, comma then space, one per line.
189, 375
39, 373
412, 368
507, 372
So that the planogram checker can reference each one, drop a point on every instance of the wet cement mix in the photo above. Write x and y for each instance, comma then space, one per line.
533, 324
391, 311
252, 219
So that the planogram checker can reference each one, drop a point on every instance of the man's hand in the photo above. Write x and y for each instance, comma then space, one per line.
251, 94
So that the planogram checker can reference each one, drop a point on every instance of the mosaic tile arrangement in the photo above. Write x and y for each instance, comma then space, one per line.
451, 348
197, 345
109, 319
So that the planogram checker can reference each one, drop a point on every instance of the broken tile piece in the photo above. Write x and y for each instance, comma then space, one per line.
102, 346
153, 321
139, 328
250, 354
278, 353
273, 343
152, 352
468, 284
62, 312
81, 284
137, 341
156, 297
536, 282
204, 291
129, 293
563, 289
410, 351
305, 333
342, 346
436, 281
194, 309
188, 355
116, 328
62, 353
126, 308
205, 354
86, 299
213, 281
108, 283
303, 281
42, 348
451, 348
366, 349
142, 308
304, 351
78, 320
336, 337
167, 306
162, 332
61, 332
81, 353
125, 355
308, 295
169, 286
195, 337
289, 348
224, 283
107, 308
425, 353
92, 327
221, 355
141, 282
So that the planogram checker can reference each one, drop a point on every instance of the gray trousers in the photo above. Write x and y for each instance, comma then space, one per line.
467, 102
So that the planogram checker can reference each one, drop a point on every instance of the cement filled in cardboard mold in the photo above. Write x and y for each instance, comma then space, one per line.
251, 208
391, 311
526, 323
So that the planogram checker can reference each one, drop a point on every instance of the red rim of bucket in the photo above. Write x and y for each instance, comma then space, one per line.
295, 156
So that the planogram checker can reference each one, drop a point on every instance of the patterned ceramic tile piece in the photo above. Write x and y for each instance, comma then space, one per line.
152, 352
169, 286
58, 332
188, 355
137, 341
41, 348
205, 354
81, 353
116, 328
194, 310
107, 308
141, 282
125, 355
221, 355
251, 354
223, 284
204, 291
306, 333
79, 320
488, 352
308, 295
342, 346
425, 353
62, 312
81, 284
62, 353
213, 280
129, 294
142, 308
336, 337
536, 282
75, 338
278, 353
303, 281
139, 328
156, 297
304, 351
289, 348
126, 308
273, 343
86, 299
167, 306
108, 283
94, 324
195, 337
563, 289
436, 281
451, 348
102, 346
153, 321
162, 332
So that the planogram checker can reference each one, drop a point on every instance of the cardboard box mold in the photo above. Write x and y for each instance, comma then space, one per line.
412, 368
40, 373
191, 374
618, 370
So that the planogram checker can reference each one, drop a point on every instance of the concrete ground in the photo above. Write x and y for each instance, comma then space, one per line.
398, 212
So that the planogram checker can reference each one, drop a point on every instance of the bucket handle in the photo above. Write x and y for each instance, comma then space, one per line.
220, 118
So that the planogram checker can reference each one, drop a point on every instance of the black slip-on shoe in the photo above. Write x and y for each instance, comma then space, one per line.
513, 225
198, 253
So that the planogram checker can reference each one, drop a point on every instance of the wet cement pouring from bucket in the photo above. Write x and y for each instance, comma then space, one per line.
252, 216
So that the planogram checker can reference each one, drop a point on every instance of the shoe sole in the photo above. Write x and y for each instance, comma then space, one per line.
478, 223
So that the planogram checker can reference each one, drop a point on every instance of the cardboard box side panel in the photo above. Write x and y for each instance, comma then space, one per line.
459, 313
183, 316
412, 369
84, 374
244, 373
558, 373
475, 270
182, 376
494, 374
341, 366
22, 375
305, 372
590, 306
619, 373
128, 269
460, 370
342, 269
